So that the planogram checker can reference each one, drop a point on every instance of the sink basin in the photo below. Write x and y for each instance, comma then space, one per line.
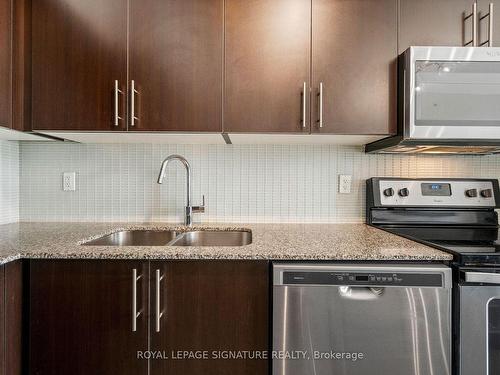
135, 238
214, 238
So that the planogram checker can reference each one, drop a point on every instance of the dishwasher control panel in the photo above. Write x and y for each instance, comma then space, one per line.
362, 278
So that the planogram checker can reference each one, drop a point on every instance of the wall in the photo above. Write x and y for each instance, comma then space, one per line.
241, 183
9, 182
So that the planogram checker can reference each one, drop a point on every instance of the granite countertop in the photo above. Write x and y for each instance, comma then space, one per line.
270, 241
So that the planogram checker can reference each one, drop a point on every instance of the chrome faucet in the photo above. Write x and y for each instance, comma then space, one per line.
190, 210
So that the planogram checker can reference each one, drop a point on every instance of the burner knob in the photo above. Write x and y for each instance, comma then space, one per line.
471, 193
487, 193
404, 192
389, 192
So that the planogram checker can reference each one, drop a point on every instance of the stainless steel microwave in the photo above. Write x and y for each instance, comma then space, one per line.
448, 102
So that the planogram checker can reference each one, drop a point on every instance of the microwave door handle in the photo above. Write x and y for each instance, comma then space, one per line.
482, 277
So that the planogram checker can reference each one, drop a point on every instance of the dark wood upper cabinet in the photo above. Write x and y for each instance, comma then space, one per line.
15, 64
81, 317
232, 66
5, 63
354, 58
434, 23
79, 50
211, 305
267, 63
176, 51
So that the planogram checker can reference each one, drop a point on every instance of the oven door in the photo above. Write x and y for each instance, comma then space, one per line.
452, 93
479, 314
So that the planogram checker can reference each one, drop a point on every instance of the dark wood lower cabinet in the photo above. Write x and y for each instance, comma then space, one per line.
15, 330
211, 307
81, 317
2, 320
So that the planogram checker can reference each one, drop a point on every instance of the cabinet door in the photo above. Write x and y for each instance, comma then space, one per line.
79, 50
2, 321
176, 51
81, 317
266, 66
5, 62
354, 59
211, 306
15, 339
434, 23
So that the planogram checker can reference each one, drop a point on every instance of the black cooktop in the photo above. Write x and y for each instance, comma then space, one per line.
470, 245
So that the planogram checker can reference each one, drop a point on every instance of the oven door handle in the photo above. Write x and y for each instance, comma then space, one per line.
482, 277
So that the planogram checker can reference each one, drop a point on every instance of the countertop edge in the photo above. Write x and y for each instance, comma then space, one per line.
341, 242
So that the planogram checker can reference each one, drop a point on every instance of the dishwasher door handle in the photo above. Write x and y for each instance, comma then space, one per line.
361, 293
482, 277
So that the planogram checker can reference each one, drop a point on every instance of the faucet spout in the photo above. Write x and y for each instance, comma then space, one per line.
188, 219
184, 162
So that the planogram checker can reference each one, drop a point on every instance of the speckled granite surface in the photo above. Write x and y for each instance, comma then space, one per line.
270, 241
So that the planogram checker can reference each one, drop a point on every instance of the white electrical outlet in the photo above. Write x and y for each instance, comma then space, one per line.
69, 181
345, 182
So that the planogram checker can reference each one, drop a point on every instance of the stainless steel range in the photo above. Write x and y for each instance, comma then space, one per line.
457, 216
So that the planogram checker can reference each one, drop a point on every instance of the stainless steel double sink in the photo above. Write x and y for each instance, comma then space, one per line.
174, 238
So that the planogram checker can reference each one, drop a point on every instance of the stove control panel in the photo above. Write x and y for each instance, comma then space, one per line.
434, 192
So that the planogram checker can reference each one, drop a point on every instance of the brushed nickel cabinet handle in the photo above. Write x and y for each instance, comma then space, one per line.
489, 15
133, 91
159, 313
473, 17
320, 100
135, 313
117, 104
304, 105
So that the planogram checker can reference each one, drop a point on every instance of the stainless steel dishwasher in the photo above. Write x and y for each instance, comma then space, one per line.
360, 319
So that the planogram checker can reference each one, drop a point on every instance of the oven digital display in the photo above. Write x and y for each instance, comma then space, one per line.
436, 189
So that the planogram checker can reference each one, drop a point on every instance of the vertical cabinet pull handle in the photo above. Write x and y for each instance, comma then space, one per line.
320, 100
304, 105
473, 17
489, 15
135, 313
159, 313
133, 91
117, 104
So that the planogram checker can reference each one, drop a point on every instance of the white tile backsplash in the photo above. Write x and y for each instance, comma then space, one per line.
246, 183
9, 182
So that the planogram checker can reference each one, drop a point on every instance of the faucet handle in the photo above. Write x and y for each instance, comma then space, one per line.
201, 208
